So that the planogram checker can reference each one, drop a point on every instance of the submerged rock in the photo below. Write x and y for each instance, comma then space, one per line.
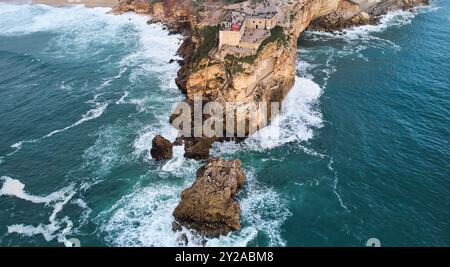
161, 148
209, 206
176, 227
182, 240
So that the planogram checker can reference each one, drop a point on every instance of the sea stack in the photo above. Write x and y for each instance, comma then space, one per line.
209, 206
161, 148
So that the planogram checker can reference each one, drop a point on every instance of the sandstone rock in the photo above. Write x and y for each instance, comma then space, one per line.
365, 16
161, 148
360, 12
138, 6
209, 205
197, 148
158, 10
355, 20
384, 6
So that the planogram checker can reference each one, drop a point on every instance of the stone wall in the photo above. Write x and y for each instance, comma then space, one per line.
229, 38
260, 23
233, 38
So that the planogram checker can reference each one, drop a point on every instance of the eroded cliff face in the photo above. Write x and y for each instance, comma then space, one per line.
209, 206
268, 75
361, 12
264, 77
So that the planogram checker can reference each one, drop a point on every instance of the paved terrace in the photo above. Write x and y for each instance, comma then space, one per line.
254, 35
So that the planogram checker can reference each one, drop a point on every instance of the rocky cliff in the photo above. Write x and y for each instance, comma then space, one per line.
209, 205
268, 75
265, 76
360, 12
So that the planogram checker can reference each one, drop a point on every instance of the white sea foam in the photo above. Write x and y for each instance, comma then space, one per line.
392, 19
359, 38
263, 211
90, 115
299, 117
180, 166
144, 217
335, 185
66, 22
155, 50
122, 98
14, 187
107, 152
56, 229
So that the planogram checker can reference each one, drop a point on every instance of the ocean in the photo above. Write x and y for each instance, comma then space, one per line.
360, 150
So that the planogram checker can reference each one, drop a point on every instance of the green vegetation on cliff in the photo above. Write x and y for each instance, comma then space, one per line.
276, 35
209, 41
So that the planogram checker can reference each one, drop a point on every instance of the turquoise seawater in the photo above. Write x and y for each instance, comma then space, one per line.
360, 150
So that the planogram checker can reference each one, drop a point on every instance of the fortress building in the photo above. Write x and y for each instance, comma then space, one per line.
242, 32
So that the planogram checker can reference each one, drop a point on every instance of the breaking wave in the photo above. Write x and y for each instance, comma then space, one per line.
359, 38
300, 116
144, 217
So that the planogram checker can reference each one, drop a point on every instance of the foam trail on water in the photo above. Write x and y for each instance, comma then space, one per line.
391, 19
90, 115
335, 185
122, 98
13, 187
